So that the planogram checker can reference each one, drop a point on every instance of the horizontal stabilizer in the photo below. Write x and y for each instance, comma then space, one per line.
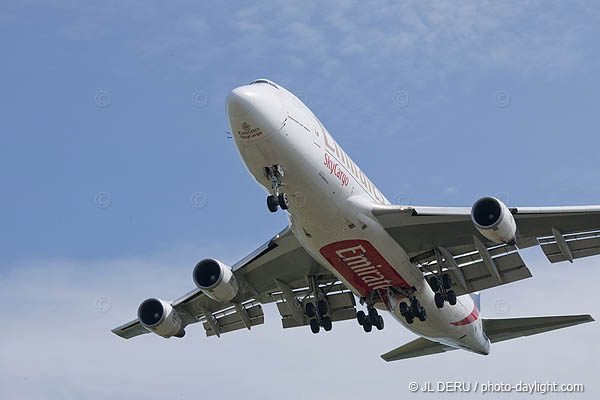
498, 330
416, 348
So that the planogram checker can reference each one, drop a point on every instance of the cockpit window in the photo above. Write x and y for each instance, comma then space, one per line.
267, 82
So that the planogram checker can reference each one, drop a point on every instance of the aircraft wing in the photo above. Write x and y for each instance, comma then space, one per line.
417, 348
264, 276
446, 236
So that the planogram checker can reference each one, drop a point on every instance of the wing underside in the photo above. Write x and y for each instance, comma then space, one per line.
279, 271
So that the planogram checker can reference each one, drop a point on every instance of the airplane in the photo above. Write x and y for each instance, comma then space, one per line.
345, 241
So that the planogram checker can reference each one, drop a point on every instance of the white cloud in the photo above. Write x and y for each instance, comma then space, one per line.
55, 343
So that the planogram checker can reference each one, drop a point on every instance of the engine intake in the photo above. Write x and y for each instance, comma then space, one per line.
216, 280
494, 220
160, 317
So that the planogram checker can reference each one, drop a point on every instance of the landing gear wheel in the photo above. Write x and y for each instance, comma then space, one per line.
314, 326
284, 202
272, 203
322, 307
422, 314
361, 317
416, 307
434, 282
310, 310
379, 325
368, 327
403, 307
409, 318
373, 314
439, 300
326, 323
451, 297
446, 281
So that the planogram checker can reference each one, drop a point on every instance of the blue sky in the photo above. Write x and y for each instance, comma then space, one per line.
117, 174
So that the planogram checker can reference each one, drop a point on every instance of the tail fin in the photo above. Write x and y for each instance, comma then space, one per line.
498, 330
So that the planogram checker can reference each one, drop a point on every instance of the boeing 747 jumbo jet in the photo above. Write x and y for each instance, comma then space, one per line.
346, 241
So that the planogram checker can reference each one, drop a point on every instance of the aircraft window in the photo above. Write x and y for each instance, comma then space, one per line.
266, 82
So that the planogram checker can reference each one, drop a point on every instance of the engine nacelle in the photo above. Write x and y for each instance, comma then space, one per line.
494, 220
216, 280
160, 317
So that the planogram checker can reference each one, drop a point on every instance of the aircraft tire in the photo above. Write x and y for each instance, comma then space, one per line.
314, 326
439, 300
272, 203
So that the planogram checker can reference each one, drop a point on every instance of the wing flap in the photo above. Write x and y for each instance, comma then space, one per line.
498, 330
233, 321
580, 245
511, 268
417, 348
476, 274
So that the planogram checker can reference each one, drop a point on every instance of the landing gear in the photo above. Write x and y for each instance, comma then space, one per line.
318, 310
275, 200
442, 286
439, 300
314, 326
379, 325
326, 323
451, 296
415, 310
370, 319
361, 318
310, 310
272, 203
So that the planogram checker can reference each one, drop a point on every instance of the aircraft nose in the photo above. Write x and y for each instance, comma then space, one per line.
240, 101
254, 112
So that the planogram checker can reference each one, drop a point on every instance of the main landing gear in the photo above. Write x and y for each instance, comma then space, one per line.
411, 307
412, 310
275, 173
442, 285
370, 319
318, 310
318, 316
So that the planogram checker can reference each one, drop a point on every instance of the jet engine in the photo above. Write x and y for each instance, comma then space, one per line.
494, 220
160, 317
216, 280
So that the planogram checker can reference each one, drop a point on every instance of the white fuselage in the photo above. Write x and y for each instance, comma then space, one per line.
330, 209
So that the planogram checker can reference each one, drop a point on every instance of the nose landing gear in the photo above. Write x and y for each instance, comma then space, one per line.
275, 173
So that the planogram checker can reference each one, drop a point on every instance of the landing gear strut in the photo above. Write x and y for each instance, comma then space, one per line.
275, 173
